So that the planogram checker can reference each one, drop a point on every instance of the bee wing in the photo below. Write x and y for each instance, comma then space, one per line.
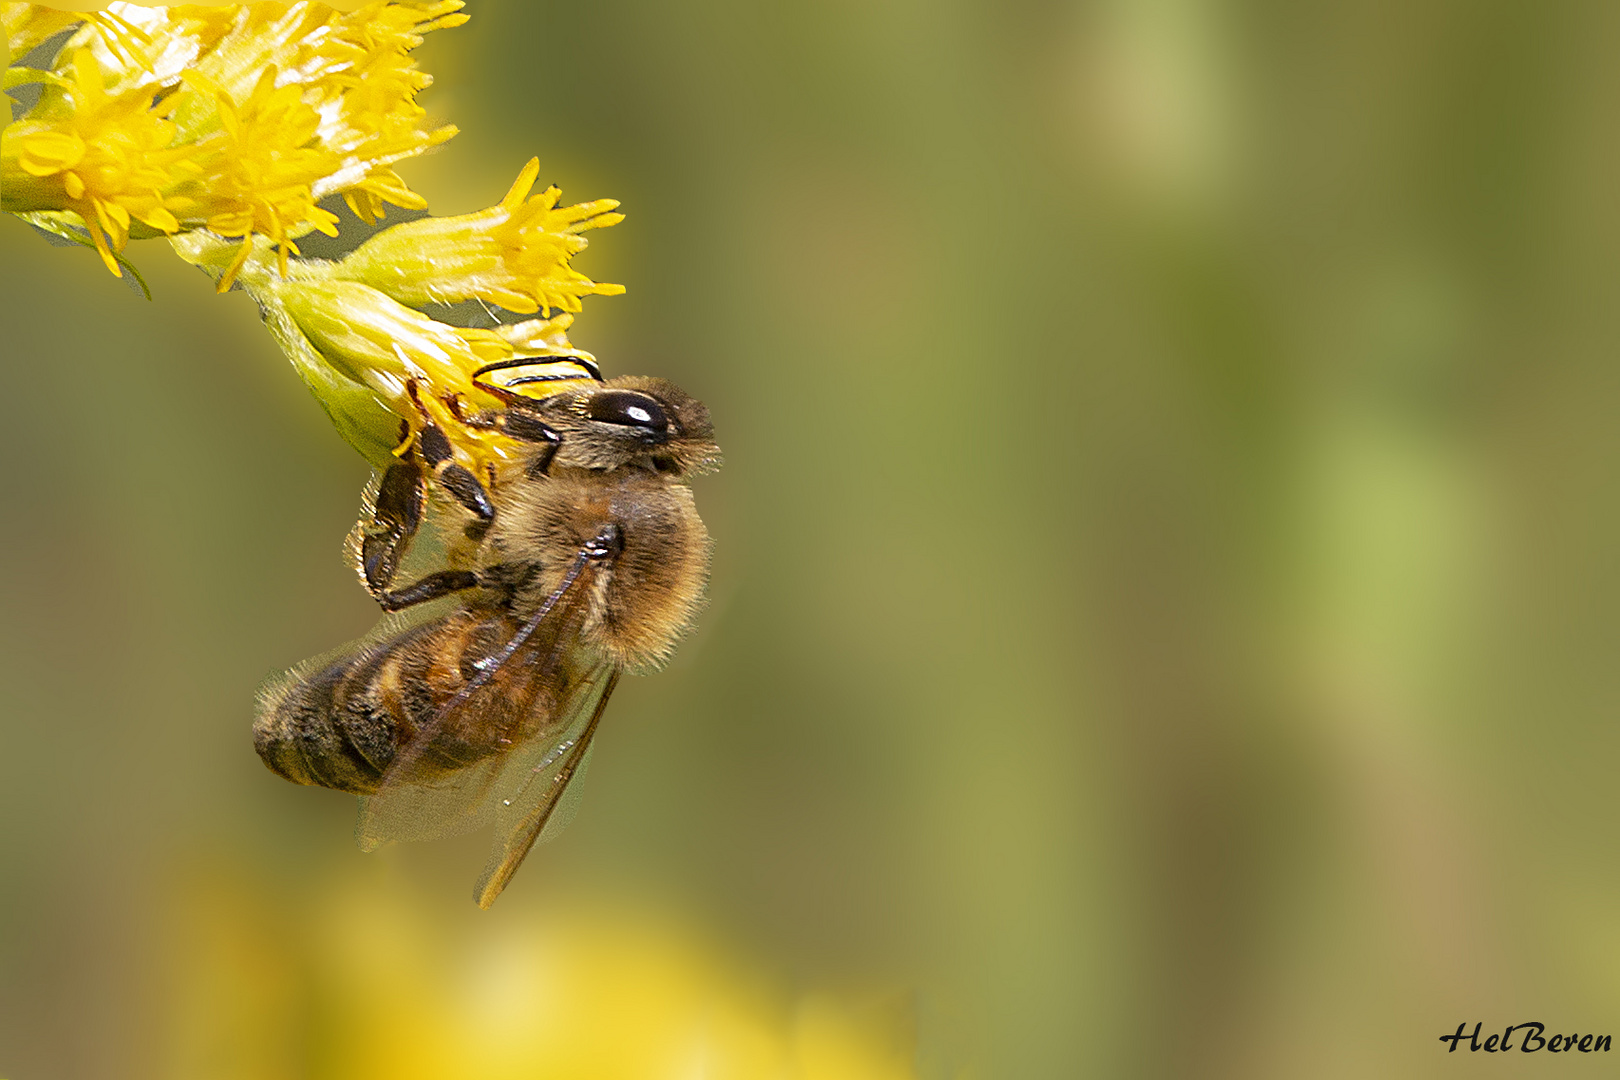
429, 810
521, 704
537, 796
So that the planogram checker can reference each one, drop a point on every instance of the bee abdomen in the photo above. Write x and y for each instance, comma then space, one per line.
335, 728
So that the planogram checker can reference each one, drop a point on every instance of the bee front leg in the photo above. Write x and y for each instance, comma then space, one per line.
456, 479
519, 424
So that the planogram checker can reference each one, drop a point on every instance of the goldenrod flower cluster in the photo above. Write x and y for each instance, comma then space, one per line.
223, 128
235, 119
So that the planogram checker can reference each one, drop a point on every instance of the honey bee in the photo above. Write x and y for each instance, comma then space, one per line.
586, 560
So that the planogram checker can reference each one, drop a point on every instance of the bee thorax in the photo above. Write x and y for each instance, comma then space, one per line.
647, 548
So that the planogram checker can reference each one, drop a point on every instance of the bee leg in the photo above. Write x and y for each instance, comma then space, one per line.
395, 515
455, 479
435, 585
521, 425
525, 426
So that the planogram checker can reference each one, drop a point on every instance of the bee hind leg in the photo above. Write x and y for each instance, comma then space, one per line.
435, 585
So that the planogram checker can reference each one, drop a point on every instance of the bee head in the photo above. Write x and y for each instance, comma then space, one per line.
632, 421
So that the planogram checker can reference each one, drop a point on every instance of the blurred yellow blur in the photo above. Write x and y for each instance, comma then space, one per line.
364, 982
1165, 602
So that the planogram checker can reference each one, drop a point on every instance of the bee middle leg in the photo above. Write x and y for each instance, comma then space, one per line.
395, 515
397, 512
401, 497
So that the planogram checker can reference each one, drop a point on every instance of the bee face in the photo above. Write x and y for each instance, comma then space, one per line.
632, 421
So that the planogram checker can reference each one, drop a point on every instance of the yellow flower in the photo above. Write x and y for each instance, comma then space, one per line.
255, 175
237, 119
514, 254
373, 362
225, 127
101, 156
358, 978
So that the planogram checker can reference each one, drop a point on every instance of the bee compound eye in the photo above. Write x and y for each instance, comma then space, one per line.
629, 408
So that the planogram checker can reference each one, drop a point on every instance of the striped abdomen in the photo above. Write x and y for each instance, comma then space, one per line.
342, 726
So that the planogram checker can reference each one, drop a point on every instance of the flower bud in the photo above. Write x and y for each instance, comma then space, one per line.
514, 254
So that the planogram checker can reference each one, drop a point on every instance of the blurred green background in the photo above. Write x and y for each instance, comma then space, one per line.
1165, 604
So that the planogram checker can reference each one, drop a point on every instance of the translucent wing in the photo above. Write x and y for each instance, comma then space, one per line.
537, 800
505, 696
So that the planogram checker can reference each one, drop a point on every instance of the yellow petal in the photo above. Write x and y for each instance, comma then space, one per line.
161, 219
113, 217
520, 187
229, 275
91, 85
47, 152
101, 246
